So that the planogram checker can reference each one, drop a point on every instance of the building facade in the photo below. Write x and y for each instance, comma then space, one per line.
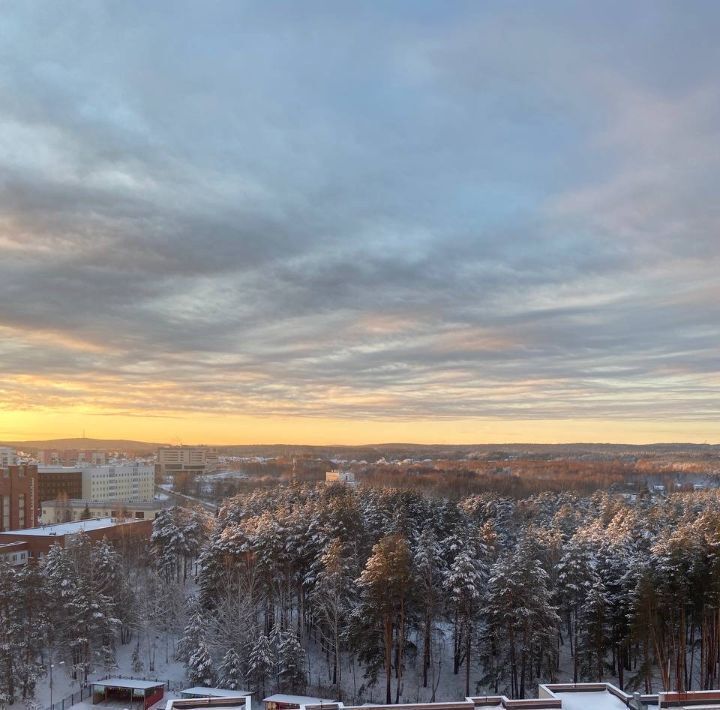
195, 460
18, 497
59, 483
15, 554
63, 511
71, 457
346, 478
128, 481
8, 456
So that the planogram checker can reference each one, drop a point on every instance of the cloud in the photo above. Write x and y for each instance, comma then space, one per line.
413, 213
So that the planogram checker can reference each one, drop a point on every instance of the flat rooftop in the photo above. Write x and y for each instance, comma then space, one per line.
201, 692
116, 503
589, 700
297, 700
127, 683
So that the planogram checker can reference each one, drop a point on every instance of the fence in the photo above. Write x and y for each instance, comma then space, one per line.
86, 690
76, 697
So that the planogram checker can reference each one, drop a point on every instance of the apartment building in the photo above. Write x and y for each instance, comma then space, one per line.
194, 460
130, 481
18, 497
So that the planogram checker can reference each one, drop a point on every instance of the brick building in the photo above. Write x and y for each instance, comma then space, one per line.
119, 532
18, 497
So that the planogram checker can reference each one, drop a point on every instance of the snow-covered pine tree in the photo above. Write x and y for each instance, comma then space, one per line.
386, 594
464, 584
11, 642
199, 668
331, 599
592, 643
261, 663
429, 573
291, 663
167, 543
575, 573
230, 671
193, 634
521, 621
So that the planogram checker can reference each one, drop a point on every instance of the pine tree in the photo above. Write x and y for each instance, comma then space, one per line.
200, 667
10, 633
193, 634
261, 663
574, 577
464, 584
290, 663
593, 631
429, 572
521, 620
230, 671
331, 599
386, 585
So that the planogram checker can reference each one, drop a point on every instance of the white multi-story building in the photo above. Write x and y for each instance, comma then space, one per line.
195, 460
126, 481
8, 456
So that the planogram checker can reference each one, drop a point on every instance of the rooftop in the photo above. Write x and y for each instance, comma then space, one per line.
72, 528
215, 692
82, 502
297, 700
127, 683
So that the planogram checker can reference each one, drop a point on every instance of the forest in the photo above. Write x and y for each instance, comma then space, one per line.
379, 594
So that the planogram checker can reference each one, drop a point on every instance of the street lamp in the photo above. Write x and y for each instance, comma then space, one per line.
52, 665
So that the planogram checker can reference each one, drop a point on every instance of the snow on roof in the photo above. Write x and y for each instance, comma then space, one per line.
297, 700
128, 683
215, 692
67, 528
590, 700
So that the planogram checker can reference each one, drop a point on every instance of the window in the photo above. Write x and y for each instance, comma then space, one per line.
21, 510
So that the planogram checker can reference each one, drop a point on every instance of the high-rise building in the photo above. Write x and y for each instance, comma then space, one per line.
186, 459
18, 497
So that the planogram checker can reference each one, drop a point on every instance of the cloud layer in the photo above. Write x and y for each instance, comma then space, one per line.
353, 210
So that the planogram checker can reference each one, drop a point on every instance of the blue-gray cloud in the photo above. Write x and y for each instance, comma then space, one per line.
401, 210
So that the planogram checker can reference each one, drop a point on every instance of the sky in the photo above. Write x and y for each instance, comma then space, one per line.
356, 222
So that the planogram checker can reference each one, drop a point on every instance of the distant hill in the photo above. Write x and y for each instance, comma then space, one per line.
394, 450
84, 443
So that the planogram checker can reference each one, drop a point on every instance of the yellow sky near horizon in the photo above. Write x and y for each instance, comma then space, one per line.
215, 429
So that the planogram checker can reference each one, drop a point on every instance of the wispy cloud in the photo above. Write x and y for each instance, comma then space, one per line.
405, 212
